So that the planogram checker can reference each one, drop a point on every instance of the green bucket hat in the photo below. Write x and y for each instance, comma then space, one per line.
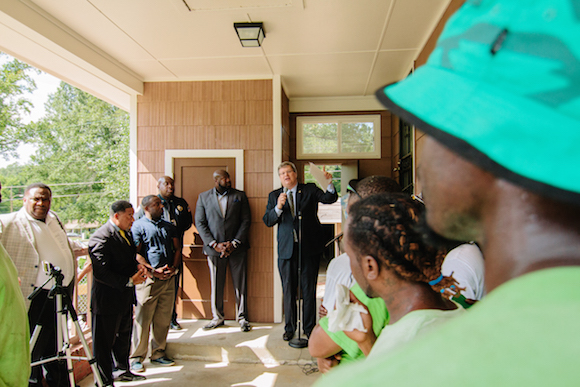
502, 89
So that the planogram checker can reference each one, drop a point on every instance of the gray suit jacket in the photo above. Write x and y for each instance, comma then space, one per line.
212, 226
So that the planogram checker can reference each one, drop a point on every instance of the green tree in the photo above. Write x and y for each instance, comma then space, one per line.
15, 81
81, 139
358, 137
320, 138
11, 197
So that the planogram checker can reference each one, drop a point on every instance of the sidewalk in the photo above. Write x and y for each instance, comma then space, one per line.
226, 356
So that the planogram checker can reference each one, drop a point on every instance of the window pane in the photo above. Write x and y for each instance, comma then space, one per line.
358, 137
320, 138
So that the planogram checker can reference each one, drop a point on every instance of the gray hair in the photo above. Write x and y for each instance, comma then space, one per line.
286, 164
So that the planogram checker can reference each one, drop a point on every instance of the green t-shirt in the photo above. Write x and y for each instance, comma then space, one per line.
524, 333
14, 332
380, 315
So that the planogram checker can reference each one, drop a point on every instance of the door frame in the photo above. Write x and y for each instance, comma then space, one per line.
237, 154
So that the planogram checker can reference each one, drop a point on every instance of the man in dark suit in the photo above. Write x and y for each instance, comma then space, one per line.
115, 271
284, 206
222, 218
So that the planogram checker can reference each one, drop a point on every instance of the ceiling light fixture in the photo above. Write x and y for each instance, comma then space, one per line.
250, 34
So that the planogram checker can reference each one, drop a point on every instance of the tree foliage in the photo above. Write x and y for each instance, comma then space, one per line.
327, 138
82, 139
358, 137
11, 197
15, 81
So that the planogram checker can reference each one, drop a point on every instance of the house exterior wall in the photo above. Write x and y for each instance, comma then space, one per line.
216, 115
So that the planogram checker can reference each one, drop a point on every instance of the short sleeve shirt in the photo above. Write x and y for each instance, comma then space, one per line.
156, 238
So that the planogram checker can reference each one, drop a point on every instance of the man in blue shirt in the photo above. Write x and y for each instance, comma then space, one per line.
158, 248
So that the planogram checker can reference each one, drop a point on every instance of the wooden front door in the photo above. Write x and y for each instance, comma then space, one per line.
192, 177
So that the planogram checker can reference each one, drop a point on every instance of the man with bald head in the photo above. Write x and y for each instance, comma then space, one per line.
222, 218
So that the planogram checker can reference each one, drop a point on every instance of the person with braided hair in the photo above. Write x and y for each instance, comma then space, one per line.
389, 259
500, 88
331, 348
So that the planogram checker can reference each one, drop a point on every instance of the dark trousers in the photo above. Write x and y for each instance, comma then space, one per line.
112, 336
218, 270
177, 284
289, 275
46, 346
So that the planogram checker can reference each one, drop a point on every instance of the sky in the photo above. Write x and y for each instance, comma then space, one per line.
45, 84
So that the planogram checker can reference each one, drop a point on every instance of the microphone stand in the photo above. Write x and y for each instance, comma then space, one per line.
299, 342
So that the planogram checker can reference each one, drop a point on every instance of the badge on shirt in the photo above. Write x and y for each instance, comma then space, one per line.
179, 208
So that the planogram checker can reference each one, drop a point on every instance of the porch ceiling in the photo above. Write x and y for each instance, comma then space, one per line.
320, 48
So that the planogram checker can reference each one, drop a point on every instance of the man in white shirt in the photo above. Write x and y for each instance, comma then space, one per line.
32, 235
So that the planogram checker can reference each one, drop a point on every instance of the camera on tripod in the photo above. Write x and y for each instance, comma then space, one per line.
63, 309
53, 272
49, 268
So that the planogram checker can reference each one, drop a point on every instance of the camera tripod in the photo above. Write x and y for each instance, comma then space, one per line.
63, 307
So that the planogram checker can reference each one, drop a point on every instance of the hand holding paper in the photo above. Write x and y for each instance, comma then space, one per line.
322, 177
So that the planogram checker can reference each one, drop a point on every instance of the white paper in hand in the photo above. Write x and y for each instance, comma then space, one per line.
346, 315
320, 176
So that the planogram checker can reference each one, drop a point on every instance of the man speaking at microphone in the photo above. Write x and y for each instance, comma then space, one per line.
284, 207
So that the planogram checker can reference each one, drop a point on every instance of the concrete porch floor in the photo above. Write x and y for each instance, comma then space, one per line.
226, 356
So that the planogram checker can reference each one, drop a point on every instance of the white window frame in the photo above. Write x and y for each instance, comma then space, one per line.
374, 118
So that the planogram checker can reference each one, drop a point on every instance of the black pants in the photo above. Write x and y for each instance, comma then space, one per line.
177, 284
217, 271
289, 275
45, 347
112, 335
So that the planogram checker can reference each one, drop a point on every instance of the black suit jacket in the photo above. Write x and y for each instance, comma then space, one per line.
114, 263
307, 198
211, 225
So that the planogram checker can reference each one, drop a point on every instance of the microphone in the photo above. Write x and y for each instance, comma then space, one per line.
285, 190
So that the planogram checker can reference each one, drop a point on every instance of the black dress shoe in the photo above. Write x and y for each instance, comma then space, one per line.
175, 326
213, 324
287, 336
245, 326
128, 376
